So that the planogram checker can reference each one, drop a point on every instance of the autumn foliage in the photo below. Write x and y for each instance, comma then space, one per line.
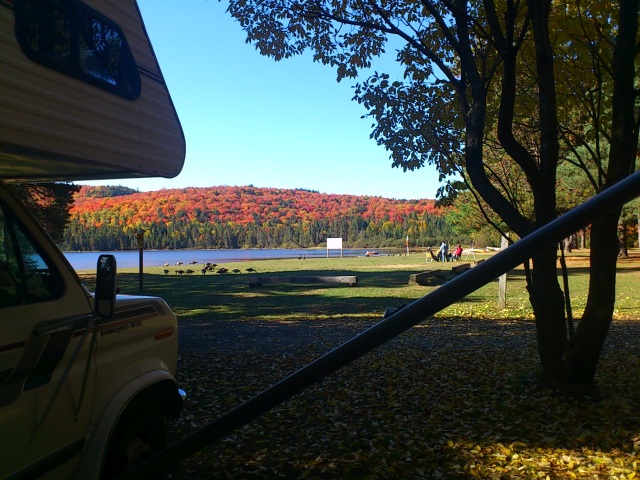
106, 218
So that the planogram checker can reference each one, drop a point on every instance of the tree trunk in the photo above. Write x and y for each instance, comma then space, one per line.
569, 244
622, 240
584, 352
547, 301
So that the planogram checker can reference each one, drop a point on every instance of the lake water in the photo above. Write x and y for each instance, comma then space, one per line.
152, 258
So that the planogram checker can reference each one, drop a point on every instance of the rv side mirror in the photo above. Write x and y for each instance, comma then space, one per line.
105, 296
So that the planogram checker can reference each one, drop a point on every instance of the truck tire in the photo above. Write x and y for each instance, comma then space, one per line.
138, 435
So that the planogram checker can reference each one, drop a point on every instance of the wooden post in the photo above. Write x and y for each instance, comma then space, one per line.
140, 239
502, 280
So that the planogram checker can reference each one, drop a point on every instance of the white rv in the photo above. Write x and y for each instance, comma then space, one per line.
86, 379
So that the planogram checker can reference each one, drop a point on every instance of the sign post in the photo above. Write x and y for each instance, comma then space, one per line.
502, 279
140, 240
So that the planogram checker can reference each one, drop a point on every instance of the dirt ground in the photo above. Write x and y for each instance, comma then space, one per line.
257, 355
480, 374
230, 337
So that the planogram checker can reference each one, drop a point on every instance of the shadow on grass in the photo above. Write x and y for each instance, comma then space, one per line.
229, 297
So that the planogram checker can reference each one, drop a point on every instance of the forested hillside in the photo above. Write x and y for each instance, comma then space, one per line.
108, 218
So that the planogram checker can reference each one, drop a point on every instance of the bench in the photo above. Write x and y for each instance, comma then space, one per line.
423, 278
350, 280
461, 268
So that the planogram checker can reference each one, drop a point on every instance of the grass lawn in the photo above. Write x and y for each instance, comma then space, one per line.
454, 397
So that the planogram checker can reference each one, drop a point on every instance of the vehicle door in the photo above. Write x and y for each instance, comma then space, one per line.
47, 373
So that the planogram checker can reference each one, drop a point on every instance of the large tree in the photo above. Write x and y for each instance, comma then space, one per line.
475, 74
610, 37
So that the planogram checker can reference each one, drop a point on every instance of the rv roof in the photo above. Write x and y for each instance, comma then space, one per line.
87, 103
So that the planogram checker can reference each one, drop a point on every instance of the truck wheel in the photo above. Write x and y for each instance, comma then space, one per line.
138, 436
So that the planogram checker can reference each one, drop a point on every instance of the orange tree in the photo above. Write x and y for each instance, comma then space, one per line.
50, 204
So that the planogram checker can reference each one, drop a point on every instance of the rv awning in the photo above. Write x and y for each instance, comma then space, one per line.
98, 115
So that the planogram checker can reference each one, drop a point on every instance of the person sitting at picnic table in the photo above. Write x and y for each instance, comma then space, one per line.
444, 251
457, 253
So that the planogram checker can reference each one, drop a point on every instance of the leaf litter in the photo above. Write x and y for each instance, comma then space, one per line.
453, 398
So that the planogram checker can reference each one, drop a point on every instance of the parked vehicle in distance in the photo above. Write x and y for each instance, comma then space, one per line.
86, 379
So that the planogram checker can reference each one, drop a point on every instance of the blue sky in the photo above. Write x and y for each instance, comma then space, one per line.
249, 120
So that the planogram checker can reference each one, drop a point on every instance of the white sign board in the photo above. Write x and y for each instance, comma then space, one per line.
334, 244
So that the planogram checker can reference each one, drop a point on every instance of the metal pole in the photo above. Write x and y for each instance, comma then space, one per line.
414, 313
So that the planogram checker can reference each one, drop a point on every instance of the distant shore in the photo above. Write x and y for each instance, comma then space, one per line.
130, 258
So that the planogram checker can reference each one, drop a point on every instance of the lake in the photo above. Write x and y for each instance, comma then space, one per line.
153, 258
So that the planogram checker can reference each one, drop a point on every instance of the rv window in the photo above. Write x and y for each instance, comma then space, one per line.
26, 275
74, 39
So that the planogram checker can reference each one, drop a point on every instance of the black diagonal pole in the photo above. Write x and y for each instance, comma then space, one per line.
414, 313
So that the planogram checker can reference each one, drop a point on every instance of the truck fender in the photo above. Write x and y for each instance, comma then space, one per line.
157, 388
